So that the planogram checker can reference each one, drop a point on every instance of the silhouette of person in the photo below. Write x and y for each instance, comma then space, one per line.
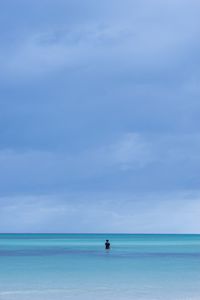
107, 245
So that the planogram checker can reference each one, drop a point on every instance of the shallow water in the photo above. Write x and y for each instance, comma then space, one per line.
76, 266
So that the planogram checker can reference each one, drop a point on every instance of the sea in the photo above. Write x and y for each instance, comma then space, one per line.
77, 267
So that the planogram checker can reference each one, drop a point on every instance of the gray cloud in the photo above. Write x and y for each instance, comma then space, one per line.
132, 162
109, 213
99, 96
149, 39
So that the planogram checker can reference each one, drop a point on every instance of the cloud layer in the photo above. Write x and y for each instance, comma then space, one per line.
109, 213
99, 97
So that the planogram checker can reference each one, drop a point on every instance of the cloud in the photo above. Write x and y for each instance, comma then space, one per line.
61, 49
143, 41
131, 161
79, 212
99, 97
27, 169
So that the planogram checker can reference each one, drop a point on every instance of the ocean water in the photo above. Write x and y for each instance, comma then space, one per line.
76, 266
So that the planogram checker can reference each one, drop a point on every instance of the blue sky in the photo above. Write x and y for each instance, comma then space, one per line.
99, 116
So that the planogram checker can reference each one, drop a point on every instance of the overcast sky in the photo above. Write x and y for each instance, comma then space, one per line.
99, 116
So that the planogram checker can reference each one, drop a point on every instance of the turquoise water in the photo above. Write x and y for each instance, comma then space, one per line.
76, 266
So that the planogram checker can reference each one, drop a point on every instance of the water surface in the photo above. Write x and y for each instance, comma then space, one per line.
76, 266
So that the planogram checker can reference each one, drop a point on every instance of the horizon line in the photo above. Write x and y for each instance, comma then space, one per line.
102, 233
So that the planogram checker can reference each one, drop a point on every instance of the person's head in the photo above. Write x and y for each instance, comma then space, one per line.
107, 240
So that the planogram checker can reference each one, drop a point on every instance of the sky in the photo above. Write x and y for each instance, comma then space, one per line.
99, 116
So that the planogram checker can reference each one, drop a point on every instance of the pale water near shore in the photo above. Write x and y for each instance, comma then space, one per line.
76, 266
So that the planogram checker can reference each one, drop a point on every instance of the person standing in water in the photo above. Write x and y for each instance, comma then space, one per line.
107, 245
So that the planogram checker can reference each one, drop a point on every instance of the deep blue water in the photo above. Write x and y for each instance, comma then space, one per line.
76, 266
